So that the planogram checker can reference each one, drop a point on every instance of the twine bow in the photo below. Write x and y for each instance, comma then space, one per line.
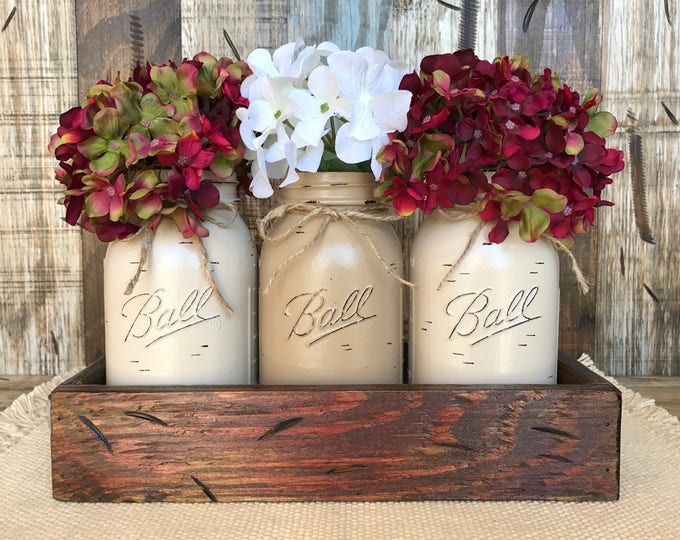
328, 215
459, 215
147, 235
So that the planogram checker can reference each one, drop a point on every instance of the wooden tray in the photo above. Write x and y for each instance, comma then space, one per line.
339, 443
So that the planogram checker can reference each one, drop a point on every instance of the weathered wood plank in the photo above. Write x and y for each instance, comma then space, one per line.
40, 269
371, 443
250, 24
562, 35
639, 316
12, 386
106, 45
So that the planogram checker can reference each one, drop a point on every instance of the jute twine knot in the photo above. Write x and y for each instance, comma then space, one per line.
328, 215
147, 235
459, 215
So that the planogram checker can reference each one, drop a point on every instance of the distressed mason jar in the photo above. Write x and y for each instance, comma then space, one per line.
490, 318
172, 329
333, 311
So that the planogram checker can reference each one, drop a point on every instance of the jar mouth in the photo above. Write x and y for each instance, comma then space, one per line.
332, 188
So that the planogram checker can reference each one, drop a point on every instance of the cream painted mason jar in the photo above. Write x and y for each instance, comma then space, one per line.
333, 312
172, 329
493, 318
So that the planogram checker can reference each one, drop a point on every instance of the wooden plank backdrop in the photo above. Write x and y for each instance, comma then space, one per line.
50, 274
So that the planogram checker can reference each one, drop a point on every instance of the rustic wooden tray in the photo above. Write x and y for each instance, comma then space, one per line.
340, 443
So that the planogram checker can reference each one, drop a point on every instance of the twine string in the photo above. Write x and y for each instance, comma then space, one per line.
329, 215
459, 215
147, 234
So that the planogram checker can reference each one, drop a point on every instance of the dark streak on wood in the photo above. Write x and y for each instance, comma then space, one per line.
447, 5
233, 48
286, 424
347, 468
637, 173
55, 343
528, 15
136, 39
669, 113
622, 262
205, 489
9, 19
556, 458
147, 417
554, 431
650, 292
468, 24
667, 11
97, 432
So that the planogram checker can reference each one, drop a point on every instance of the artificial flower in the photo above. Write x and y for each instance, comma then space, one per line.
520, 145
177, 118
318, 109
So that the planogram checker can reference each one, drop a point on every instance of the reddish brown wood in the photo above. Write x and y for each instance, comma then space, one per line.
372, 443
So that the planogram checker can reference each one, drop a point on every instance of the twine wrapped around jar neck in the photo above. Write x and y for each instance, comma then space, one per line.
328, 215
468, 212
147, 235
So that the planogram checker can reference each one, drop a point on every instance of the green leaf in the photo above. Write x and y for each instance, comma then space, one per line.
332, 163
549, 200
534, 222
603, 123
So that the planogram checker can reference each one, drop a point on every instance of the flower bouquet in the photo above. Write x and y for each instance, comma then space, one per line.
135, 150
520, 146
318, 108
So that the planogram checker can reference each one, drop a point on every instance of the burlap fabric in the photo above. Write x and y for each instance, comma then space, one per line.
649, 507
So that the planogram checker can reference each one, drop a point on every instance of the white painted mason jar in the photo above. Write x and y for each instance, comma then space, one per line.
172, 329
493, 318
333, 313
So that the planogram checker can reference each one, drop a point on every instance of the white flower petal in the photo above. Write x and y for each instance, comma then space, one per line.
259, 185
306, 105
390, 110
350, 71
363, 125
283, 57
261, 116
327, 47
377, 144
309, 159
309, 132
260, 61
323, 84
349, 149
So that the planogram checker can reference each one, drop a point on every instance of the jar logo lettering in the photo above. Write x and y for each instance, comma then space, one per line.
315, 318
478, 318
153, 319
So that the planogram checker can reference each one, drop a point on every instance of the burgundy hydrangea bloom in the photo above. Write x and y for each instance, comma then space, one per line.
519, 145
136, 150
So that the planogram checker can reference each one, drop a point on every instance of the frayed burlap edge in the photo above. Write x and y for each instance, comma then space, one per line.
30, 409
658, 418
27, 411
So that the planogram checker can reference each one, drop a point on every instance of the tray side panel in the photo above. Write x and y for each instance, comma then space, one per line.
346, 445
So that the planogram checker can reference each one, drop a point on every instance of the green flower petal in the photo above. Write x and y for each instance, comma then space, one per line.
108, 124
93, 147
534, 222
105, 164
603, 123
221, 167
549, 200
